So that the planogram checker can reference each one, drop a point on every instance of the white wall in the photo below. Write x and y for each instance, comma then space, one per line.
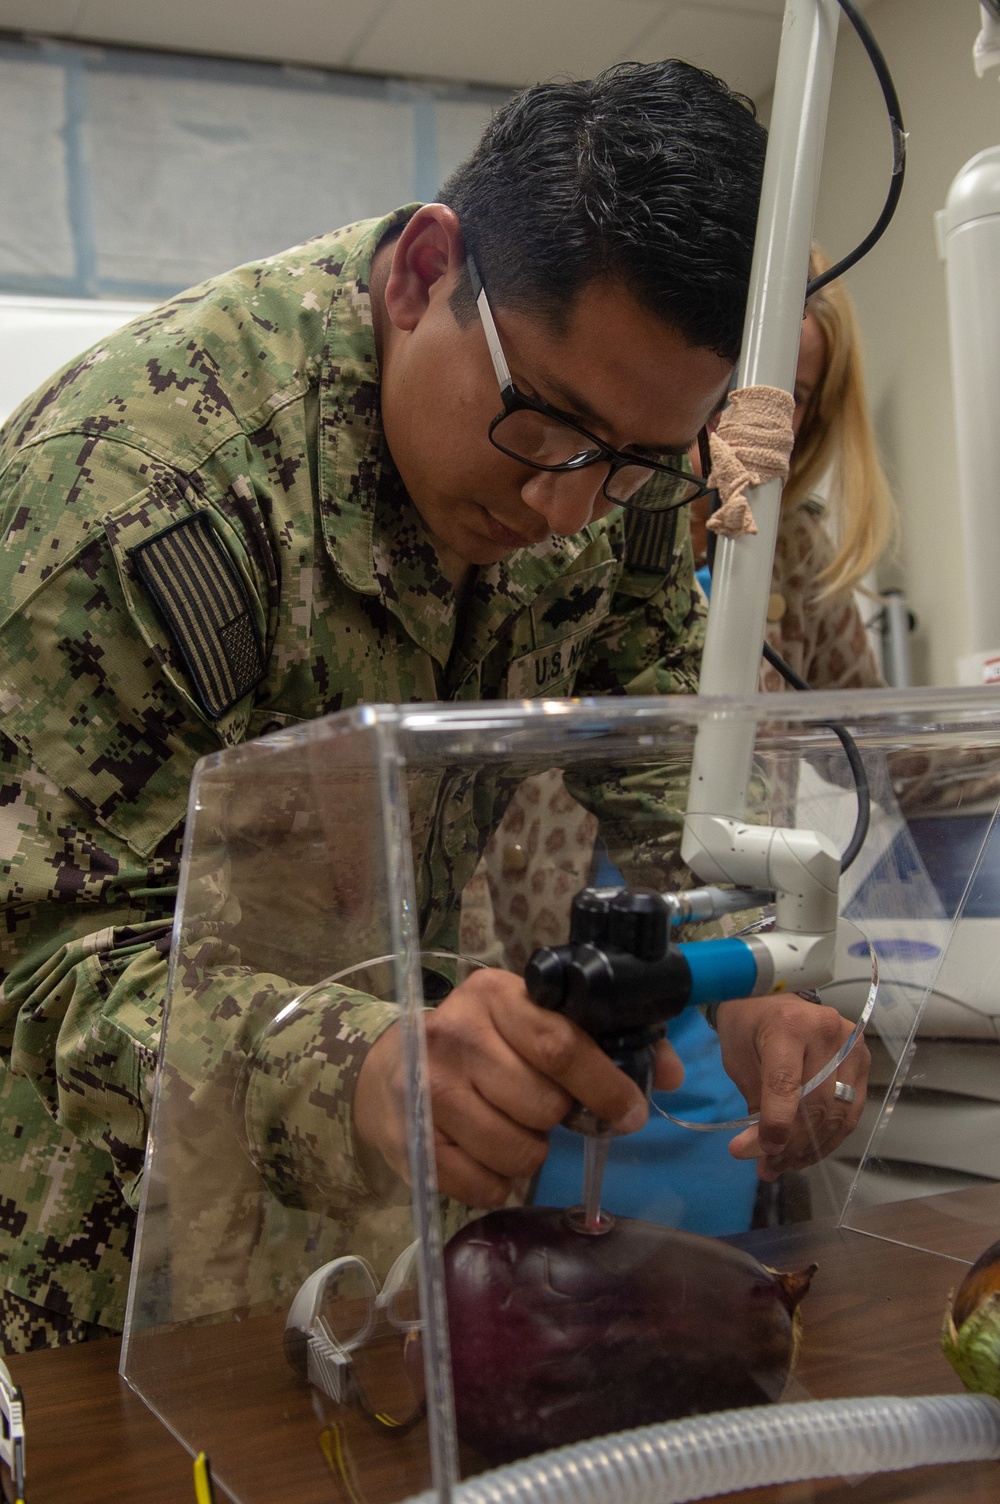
900, 289
38, 335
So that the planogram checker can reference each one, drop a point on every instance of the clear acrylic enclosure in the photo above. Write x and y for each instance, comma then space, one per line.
287, 1312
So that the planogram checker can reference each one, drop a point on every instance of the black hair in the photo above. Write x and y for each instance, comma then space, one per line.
648, 174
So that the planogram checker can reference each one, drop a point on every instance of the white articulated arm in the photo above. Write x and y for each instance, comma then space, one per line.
801, 867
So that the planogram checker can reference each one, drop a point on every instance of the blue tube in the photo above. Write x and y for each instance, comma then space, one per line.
720, 969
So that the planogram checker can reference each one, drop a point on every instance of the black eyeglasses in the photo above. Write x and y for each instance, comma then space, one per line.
531, 431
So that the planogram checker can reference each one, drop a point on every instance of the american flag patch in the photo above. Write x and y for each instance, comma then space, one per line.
649, 539
205, 608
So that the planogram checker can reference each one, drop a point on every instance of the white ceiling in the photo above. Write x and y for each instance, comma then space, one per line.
482, 41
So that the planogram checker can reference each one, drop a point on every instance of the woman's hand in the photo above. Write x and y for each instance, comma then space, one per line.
770, 1047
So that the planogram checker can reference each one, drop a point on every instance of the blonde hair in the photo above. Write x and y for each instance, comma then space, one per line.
836, 435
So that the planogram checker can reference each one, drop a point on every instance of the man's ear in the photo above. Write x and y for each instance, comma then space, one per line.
427, 261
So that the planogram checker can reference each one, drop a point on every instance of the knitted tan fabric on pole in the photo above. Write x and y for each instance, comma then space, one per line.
752, 445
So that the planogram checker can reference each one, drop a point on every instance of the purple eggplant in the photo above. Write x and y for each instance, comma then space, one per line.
558, 1336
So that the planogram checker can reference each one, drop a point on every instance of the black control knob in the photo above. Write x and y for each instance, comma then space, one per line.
545, 978
637, 923
588, 922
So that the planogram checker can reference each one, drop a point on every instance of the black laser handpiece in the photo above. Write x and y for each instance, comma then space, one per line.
620, 978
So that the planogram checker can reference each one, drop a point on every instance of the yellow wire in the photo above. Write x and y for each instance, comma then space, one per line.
203, 1480
330, 1443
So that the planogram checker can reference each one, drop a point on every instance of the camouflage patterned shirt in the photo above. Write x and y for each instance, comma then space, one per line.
230, 441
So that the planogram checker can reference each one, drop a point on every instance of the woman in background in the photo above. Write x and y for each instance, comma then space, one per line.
813, 620
545, 849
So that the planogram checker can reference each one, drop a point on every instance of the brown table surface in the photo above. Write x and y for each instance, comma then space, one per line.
872, 1322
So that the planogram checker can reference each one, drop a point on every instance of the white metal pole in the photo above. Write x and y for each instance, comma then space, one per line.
742, 574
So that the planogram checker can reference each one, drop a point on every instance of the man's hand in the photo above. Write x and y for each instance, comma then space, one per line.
770, 1046
503, 1072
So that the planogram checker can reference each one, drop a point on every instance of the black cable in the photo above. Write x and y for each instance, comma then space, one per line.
850, 747
715, 500
894, 108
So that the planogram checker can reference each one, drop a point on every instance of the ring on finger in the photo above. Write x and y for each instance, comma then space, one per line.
843, 1092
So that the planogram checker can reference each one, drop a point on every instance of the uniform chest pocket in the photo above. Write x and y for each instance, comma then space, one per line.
553, 641
550, 670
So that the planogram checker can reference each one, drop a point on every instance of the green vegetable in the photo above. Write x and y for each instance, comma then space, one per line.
970, 1338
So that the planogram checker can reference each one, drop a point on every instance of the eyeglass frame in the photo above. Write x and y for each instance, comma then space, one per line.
515, 401
326, 1360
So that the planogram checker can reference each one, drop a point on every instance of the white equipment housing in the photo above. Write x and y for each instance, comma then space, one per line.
968, 232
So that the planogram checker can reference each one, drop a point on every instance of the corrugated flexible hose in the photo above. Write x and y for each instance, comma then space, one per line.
737, 1449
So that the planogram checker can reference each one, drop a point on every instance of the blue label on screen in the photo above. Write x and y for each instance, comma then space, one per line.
897, 950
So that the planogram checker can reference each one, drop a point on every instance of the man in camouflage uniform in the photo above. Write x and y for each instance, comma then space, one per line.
275, 497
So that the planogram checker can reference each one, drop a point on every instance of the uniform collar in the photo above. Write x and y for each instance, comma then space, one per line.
352, 453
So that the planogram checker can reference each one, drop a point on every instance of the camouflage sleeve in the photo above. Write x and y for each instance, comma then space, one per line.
95, 757
297, 1105
101, 731
256, 1064
87, 1033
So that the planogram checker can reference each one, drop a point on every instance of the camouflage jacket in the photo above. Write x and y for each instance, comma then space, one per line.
232, 435
823, 639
